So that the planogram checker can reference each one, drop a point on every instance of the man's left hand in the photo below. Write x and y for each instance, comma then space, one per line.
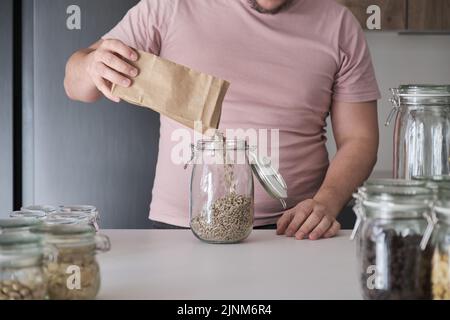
308, 219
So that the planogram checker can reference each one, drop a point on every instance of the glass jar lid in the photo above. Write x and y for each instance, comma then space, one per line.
66, 233
45, 208
424, 90
20, 250
18, 224
73, 236
422, 94
67, 218
394, 183
397, 202
269, 177
218, 144
28, 214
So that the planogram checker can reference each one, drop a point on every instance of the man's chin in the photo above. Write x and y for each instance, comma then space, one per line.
256, 6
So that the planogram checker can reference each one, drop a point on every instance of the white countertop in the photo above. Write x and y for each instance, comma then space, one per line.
173, 264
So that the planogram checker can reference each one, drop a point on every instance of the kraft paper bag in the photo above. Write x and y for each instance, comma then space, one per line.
176, 91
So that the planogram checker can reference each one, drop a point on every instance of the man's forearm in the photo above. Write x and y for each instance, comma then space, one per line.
77, 82
352, 165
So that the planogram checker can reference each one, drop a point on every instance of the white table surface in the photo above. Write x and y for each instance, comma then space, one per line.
173, 264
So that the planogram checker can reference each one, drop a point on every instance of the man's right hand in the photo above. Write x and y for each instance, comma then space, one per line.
107, 65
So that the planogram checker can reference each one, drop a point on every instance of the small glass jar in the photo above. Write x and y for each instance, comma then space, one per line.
441, 242
72, 270
392, 263
222, 196
21, 274
22, 225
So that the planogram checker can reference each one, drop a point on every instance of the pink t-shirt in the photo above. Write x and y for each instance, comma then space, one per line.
285, 70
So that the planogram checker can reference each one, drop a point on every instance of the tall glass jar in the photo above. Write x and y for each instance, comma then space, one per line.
72, 270
221, 191
441, 242
392, 263
422, 130
21, 274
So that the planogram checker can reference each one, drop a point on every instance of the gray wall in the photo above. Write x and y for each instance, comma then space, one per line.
402, 59
6, 147
102, 154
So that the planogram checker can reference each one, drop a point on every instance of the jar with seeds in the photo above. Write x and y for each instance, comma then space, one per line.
71, 267
21, 273
222, 190
440, 278
221, 203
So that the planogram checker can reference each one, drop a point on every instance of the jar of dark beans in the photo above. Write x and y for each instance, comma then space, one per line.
393, 265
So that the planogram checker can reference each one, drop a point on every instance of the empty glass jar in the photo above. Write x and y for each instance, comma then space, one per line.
21, 273
422, 130
392, 263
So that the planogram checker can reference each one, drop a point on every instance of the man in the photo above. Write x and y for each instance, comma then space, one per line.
291, 63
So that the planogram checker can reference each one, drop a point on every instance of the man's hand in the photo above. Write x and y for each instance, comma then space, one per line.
309, 218
106, 66
91, 72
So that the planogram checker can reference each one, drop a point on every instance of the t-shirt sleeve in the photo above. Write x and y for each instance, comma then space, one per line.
355, 80
144, 26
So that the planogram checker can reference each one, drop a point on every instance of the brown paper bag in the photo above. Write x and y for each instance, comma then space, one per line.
175, 91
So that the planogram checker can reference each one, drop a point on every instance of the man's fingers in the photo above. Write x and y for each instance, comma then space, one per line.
105, 89
111, 75
310, 223
284, 221
321, 228
122, 49
300, 216
334, 229
115, 63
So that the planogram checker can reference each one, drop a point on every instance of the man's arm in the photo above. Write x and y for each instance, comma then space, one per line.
355, 127
91, 72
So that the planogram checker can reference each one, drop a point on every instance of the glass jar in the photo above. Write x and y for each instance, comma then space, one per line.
72, 270
392, 263
360, 196
21, 274
222, 196
441, 242
18, 225
421, 133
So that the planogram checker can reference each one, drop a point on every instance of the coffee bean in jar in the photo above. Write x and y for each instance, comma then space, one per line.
393, 265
